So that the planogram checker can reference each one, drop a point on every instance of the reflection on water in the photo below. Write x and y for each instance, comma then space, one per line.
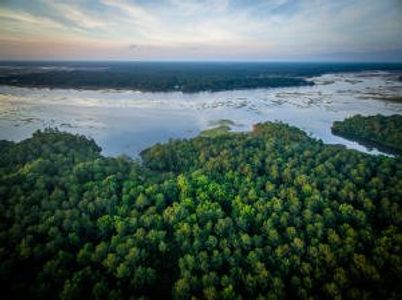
129, 121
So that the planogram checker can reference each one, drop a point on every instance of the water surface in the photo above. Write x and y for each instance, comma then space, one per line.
125, 121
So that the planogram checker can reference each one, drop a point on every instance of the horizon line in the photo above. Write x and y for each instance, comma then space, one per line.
202, 61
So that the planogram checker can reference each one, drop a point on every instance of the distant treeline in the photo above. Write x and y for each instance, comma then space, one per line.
158, 82
162, 77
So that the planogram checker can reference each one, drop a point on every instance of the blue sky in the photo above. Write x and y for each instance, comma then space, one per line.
275, 30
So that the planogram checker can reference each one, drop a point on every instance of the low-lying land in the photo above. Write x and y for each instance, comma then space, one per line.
269, 214
186, 77
383, 132
154, 77
219, 127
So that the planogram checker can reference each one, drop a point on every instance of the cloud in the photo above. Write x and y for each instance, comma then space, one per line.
246, 29
76, 15
29, 19
138, 14
196, 7
132, 47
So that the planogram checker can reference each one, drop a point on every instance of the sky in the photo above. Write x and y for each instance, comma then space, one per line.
244, 30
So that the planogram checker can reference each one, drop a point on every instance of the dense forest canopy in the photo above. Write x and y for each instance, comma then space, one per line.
270, 214
384, 132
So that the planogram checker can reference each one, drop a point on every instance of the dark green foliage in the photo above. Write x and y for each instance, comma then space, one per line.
188, 82
47, 145
271, 214
384, 132
186, 77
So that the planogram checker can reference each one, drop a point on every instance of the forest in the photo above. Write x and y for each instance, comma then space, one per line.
378, 130
186, 77
187, 83
266, 214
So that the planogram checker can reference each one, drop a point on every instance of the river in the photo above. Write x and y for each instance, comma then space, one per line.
126, 122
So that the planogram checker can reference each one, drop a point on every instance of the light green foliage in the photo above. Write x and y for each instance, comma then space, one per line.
216, 131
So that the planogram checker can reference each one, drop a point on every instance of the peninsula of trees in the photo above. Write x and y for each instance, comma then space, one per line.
384, 132
269, 214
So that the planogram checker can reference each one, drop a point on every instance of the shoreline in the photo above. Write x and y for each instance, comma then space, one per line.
110, 116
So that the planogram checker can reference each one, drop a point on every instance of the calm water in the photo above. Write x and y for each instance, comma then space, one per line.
129, 121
